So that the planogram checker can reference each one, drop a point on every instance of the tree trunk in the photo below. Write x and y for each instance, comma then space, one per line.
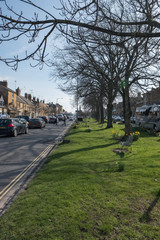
109, 115
127, 110
101, 111
97, 112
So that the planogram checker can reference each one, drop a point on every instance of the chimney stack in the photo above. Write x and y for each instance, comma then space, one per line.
18, 91
26, 95
4, 83
30, 97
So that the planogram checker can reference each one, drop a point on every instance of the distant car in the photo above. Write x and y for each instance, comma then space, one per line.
13, 127
36, 123
133, 119
45, 118
71, 118
53, 119
60, 117
116, 119
3, 115
80, 118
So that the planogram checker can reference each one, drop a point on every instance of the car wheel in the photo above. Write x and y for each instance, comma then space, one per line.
15, 133
26, 131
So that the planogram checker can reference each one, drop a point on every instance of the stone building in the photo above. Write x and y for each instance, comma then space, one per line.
13, 104
3, 108
25, 105
9, 97
135, 102
152, 97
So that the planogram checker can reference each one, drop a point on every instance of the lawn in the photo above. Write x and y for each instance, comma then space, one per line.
86, 191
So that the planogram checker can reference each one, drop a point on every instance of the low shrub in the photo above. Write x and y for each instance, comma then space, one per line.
120, 136
135, 135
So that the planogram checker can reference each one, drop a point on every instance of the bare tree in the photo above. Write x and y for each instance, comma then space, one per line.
94, 68
138, 70
132, 18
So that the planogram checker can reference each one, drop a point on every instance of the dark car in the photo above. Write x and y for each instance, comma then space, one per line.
45, 118
24, 121
60, 117
36, 123
13, 127
53, 119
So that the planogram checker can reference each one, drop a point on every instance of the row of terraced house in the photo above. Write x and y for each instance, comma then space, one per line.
12, 104
151, 97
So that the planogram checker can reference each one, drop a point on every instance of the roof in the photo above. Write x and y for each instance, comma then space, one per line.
7, 89
26, 101
19, 99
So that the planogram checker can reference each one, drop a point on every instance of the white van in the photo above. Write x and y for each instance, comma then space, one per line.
148, 116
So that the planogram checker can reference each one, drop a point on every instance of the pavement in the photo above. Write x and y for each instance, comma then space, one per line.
11, 191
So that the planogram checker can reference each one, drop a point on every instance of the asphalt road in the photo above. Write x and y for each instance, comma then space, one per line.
19, 154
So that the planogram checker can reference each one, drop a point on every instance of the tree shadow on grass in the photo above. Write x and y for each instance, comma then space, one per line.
83, 150
102, 128
71, 169
146, 216
76, 132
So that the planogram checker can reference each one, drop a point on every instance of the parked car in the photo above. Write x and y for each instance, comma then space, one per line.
45, 118
133, 119
36, 123
3, 115
116, 119
71, 118
24, 121
53, 119
13, 127
60, 117
148, 117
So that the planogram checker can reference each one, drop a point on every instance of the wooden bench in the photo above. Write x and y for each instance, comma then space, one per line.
128, 142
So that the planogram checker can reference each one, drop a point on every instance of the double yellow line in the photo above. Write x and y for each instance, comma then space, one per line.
19, 176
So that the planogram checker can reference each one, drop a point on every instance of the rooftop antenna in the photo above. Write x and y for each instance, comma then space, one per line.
15, 84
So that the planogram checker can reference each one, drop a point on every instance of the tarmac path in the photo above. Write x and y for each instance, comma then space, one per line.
22, 156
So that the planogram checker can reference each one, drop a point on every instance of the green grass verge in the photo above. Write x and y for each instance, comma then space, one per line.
86, 191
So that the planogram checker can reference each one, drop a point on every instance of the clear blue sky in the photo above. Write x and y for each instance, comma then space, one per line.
28, 79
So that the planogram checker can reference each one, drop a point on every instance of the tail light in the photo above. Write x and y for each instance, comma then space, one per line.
11, 125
